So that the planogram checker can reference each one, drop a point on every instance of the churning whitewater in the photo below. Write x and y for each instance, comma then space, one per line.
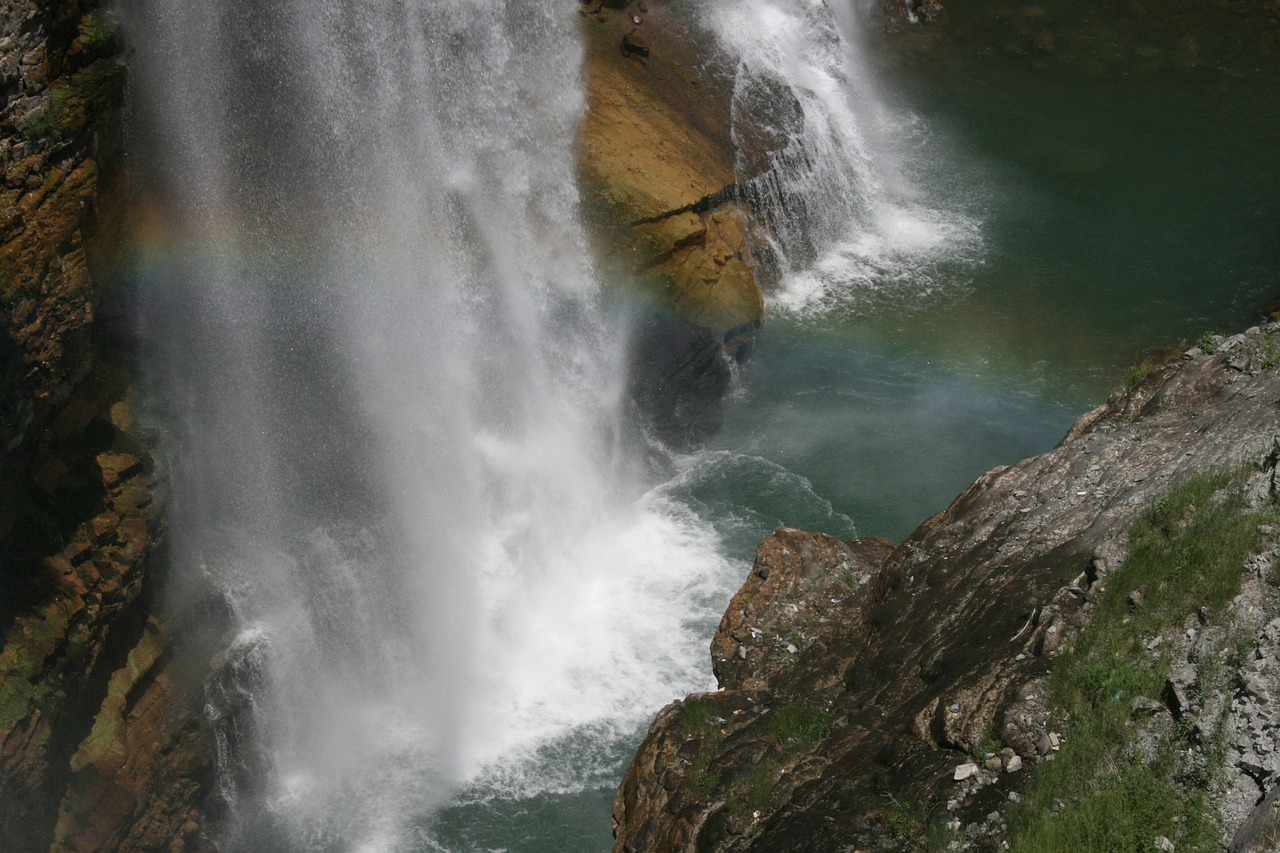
396, 412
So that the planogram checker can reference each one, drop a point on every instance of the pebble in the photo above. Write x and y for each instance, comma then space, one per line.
1012, 765
964, 771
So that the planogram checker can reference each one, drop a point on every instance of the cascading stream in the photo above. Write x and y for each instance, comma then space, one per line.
394, 411
841, 196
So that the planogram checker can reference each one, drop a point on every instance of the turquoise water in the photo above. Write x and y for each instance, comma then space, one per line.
1127, 202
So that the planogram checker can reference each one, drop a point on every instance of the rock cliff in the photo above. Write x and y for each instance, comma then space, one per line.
99, 748
857, 677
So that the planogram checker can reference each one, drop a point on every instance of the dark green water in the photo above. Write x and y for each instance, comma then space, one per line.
1128, 186
1124, 165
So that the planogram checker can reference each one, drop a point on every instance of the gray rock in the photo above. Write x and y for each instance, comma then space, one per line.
1146, 707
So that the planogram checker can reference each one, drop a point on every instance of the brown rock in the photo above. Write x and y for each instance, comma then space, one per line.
657, 156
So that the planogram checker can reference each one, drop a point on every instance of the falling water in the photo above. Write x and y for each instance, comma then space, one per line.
395, 412
842, 196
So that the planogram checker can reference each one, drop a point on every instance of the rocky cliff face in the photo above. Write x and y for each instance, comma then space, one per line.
99, 742
857, 675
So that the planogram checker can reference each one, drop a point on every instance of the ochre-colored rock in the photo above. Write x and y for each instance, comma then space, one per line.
54, 651
658, 166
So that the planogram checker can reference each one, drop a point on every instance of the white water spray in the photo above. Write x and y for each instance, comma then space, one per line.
841, 199
398, 451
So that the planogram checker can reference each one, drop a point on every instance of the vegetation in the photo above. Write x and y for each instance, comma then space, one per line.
791, 731
86, 97
96, 39
1185, 552
702, 720
1145, 364
798, 728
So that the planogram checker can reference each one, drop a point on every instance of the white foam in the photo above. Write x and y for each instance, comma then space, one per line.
844, 209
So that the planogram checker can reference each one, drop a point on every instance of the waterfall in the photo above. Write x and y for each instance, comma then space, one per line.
843, 196
392, 405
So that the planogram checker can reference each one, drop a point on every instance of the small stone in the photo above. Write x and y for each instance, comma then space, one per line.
742, 652
1043, 745
791, 649
1163, 844
993, 763
1013, 764
1144, 706
964, 771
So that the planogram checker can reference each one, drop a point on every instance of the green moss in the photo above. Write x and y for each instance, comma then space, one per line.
798, 728
700, 718
96, 39
1185, 552
84, 100
759, 783
15, 700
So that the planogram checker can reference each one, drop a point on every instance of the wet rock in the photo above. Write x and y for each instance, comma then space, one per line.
658, 157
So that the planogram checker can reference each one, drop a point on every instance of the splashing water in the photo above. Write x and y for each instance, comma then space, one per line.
394, 404
840, 199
